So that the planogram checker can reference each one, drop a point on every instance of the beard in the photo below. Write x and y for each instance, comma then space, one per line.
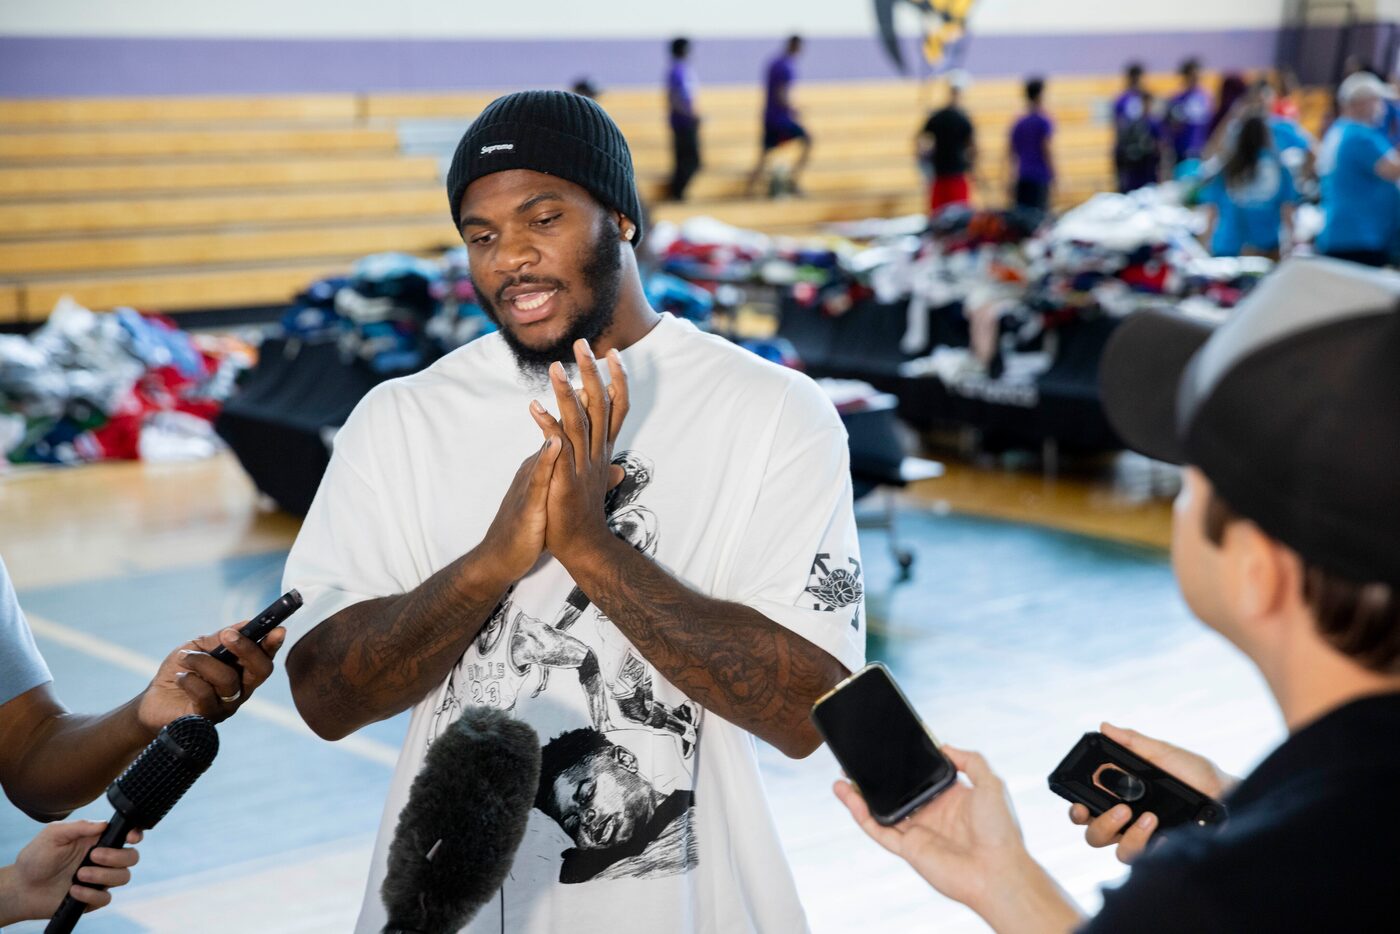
601, 275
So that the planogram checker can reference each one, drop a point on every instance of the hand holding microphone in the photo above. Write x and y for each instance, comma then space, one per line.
145, 793
47, 869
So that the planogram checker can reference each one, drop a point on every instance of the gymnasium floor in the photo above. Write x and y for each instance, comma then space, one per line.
1037, 609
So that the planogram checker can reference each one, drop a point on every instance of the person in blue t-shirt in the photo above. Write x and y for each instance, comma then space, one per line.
1359, 169
1251, 198
780, 123
1389, 121
1293, 144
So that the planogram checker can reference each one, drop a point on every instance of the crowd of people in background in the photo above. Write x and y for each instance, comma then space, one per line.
1241, 151
1241, 154
781, 124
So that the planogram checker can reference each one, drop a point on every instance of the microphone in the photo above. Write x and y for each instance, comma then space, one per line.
464, 820
146, 792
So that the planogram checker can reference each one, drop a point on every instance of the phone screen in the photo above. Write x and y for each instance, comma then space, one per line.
882, 744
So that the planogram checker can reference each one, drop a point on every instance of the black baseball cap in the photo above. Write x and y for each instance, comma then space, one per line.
1291, 408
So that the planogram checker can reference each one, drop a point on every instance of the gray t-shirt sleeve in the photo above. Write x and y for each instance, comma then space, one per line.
22, 668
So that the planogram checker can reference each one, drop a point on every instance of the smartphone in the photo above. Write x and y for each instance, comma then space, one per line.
1099, 774
882, 745
259, 626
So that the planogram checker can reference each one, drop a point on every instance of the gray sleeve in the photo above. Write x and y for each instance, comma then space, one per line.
22, 668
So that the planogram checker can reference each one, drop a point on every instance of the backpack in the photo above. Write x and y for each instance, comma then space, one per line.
1137, 143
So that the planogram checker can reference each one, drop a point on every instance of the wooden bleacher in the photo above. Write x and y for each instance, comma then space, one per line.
185, 203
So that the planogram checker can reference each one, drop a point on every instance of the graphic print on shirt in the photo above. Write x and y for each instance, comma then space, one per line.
631, 682
622, 826
1262, 187
833, 586
509, 646
625, 800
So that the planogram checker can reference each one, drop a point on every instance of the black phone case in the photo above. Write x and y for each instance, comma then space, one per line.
1172, 800
914, 803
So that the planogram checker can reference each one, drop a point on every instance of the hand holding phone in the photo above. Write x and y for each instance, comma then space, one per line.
259, 626
1101, 774
881, 744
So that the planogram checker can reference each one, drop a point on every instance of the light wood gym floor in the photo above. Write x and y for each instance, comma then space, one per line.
1037, 608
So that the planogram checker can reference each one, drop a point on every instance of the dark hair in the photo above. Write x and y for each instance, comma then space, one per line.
1134, 71
1360, 620
1251, 139
1190, 66
1035, 87
680, 47
562, 753
794, 43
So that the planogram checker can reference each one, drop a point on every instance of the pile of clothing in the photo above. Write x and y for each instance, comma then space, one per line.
120, 386
1107, 258
721, 259
1001, 309
395, 313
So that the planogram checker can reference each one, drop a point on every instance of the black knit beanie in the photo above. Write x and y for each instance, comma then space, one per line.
554, 132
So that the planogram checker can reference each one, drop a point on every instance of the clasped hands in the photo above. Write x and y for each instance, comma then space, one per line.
555, 502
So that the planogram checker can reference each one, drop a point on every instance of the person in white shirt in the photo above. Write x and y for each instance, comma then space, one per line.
671, 547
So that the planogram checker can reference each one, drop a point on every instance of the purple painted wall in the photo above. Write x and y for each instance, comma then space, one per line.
1318, 52
54, 67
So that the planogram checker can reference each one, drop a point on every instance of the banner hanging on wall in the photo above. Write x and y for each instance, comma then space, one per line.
944, 33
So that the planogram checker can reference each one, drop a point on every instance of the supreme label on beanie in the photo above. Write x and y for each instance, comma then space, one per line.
554, 133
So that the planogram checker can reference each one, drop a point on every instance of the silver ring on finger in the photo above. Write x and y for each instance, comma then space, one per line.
232, 697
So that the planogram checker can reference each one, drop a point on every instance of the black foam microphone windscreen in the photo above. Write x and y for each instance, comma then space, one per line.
146, 792
464, 820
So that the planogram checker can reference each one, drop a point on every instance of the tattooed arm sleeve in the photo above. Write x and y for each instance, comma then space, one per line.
373, 659
728, 657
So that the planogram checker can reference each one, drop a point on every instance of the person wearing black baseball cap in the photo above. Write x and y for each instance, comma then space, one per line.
670, 547
1286, 540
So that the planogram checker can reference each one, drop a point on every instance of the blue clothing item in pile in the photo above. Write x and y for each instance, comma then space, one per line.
672, 294
389, 302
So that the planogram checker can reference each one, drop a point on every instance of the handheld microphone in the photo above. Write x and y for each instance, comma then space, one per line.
464, 820
146, 792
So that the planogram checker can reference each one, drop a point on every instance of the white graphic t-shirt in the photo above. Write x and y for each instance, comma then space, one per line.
736, 483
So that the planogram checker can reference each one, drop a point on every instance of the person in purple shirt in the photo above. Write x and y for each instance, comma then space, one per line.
1137, 134
1188, 114
1030, 151
1128, 105
685, 122
780, 123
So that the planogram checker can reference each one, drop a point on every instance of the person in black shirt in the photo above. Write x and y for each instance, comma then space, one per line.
947, 145
1284, 541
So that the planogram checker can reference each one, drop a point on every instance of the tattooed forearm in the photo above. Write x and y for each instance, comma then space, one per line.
730, 658
376, 658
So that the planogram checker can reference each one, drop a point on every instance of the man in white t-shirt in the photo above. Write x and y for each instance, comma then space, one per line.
672, 574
